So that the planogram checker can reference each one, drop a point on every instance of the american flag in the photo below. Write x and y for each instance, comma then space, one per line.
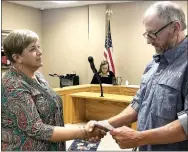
108, 52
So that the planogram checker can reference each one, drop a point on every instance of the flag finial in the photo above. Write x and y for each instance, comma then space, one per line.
109, 12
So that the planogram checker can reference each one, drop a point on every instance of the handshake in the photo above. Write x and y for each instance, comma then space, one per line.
124, 136
95, 130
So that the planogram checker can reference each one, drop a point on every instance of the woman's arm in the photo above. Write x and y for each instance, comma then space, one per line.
94, 80
63, 134
112, 74
21, 105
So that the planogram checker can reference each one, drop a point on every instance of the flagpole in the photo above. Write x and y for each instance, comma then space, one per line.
108, 13
108, 42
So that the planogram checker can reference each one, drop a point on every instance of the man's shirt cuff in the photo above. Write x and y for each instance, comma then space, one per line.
183, 118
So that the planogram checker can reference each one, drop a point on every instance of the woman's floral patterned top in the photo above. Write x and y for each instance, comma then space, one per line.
30, 111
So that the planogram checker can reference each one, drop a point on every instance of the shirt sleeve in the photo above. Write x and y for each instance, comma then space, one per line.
135, 104
112, 74
20, 104
94, 80
183, 115
183, 118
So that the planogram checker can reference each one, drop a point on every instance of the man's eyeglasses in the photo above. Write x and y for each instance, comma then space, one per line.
153, 35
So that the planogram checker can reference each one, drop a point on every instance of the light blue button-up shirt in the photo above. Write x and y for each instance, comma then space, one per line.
163, 94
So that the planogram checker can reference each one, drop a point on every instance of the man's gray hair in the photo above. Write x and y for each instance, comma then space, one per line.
168, 12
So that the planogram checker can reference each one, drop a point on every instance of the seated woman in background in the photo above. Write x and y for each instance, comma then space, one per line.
31, 112
105, 75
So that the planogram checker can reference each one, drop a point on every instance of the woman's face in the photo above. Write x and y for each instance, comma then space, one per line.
104, 68
32, 56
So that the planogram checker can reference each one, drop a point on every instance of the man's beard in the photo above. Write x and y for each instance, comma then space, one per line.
171, 43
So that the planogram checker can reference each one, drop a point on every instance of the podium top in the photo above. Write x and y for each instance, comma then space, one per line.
107, 97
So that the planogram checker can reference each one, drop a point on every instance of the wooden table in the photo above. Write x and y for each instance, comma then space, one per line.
91, 111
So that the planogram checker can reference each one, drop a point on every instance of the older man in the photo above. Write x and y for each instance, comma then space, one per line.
161, 104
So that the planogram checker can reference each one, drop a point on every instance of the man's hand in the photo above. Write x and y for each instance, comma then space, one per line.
126, 137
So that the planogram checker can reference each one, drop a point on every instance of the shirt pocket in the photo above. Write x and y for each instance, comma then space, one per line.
166, 98
144, 91
141, 93
148, 75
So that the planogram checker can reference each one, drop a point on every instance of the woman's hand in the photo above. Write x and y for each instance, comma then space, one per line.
93, 132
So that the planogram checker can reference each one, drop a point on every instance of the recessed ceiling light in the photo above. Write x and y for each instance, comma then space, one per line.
64, 2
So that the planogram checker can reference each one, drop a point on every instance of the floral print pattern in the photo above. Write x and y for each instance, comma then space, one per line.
30, 110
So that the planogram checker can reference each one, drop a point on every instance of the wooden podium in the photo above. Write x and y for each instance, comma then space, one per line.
83, 102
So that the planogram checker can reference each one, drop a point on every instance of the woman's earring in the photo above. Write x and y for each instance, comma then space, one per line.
20, 66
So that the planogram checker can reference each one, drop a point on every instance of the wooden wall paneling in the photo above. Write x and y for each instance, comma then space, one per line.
130, 91
114, 90
101, 110
79, 110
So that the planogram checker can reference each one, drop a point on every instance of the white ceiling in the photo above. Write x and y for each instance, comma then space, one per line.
59, 4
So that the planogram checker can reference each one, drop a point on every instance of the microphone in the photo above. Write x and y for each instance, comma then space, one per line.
92, 65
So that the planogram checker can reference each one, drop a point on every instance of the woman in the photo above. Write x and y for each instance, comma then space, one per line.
31, 110
105, 75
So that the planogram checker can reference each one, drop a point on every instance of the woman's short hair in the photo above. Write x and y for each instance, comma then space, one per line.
16, 41
103, 63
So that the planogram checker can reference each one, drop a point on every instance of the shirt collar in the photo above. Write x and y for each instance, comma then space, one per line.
157, 58
173, 53
104, 75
